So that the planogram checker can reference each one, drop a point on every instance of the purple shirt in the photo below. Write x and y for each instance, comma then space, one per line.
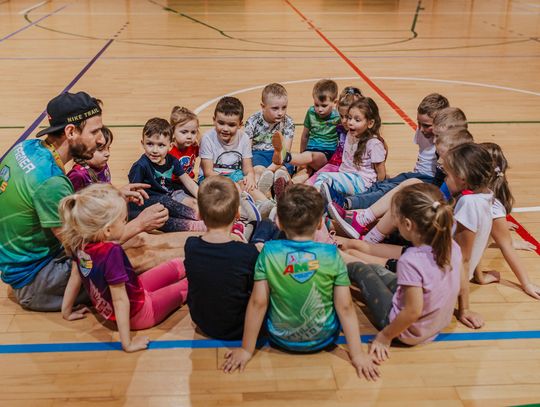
104, 264
440, 288
82, 176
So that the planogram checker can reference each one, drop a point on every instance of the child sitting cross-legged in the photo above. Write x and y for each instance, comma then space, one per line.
307, 287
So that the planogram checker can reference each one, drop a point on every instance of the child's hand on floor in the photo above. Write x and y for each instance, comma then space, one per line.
236, 359
523, 245
137, 343
366, 366
471, 319
533, 290
380, 347
76, 314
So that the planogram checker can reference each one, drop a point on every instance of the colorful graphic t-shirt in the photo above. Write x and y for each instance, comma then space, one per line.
163, 179
31, 188
260, 131
301, 277
186, 157
322, 132
227, 158
104, 264
82, 175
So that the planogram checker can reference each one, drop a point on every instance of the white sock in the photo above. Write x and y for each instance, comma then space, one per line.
374, 236
365, 217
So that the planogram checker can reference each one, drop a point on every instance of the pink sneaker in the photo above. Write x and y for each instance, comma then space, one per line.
347, 221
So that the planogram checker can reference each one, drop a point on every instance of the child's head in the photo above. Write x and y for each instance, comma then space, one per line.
468, 166
448, 139
499, 183
218, 201
156, 140
325, 94
427, 109
274, 102
300, 210
94, 214
347, 97
228, 117
449, 118
102, 154
422, 214
185, 125
364, 122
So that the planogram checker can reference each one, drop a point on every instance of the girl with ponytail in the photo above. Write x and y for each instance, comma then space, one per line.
93, 222
416, 303
500, 233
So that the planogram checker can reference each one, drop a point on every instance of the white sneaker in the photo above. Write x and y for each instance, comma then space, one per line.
266, 181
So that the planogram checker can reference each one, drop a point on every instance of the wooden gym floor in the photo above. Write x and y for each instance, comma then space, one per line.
143, 57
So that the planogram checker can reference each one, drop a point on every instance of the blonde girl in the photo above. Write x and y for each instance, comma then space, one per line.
416, 303
186, 137
93, 222
364, 151
502, 205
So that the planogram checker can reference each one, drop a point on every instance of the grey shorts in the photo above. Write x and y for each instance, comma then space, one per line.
46, 291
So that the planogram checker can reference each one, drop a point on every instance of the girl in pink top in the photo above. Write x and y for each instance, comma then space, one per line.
417, 302
364, 151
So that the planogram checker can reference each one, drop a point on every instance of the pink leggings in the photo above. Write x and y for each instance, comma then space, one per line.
165, 288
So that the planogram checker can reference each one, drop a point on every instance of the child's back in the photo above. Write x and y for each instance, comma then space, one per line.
220, 279
301, 276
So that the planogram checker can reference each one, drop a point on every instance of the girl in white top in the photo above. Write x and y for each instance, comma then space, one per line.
469, 171
500, 233
364, 151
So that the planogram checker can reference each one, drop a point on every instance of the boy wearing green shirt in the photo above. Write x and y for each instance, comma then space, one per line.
307, 287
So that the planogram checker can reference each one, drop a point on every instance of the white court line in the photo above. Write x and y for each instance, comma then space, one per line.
32, 7
526, 209
388, 78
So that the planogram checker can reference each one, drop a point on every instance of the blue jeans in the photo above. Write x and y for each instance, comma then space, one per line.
379, 189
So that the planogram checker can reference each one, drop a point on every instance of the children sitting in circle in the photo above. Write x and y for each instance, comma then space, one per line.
289, 276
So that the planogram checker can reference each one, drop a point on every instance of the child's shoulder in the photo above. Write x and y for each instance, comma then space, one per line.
304, 245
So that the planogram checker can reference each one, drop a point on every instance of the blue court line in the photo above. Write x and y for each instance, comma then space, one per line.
31, 24
149, 57
214, 343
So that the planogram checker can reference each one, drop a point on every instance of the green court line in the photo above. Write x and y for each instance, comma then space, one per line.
301, 124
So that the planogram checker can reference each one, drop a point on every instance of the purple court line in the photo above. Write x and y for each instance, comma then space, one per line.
31, 24
39, 119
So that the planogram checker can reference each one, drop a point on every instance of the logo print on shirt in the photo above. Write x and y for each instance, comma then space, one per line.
301, 265
85, 263
5, 175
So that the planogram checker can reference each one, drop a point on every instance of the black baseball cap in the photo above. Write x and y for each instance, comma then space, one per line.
69, 108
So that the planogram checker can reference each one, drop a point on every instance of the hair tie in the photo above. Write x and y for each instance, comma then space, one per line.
350, 90
498, 172
435, 205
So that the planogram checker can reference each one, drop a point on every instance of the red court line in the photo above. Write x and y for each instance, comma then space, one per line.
520, 230
372, 84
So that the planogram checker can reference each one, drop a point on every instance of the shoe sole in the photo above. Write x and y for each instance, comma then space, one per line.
265, 182
325, 192
348, 229
277, 143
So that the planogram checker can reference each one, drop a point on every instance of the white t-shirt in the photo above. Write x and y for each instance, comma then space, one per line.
227, 158
474, 212
426, 163
374, 154
498, 210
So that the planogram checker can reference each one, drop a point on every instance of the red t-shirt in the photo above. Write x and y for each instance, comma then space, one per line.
186, 157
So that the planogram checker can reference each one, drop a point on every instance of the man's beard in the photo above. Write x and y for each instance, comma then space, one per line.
80, 152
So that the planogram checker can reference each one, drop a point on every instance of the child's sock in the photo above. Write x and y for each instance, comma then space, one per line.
374, 236
365, 217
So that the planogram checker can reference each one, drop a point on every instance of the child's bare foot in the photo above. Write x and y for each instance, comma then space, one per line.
280, 152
